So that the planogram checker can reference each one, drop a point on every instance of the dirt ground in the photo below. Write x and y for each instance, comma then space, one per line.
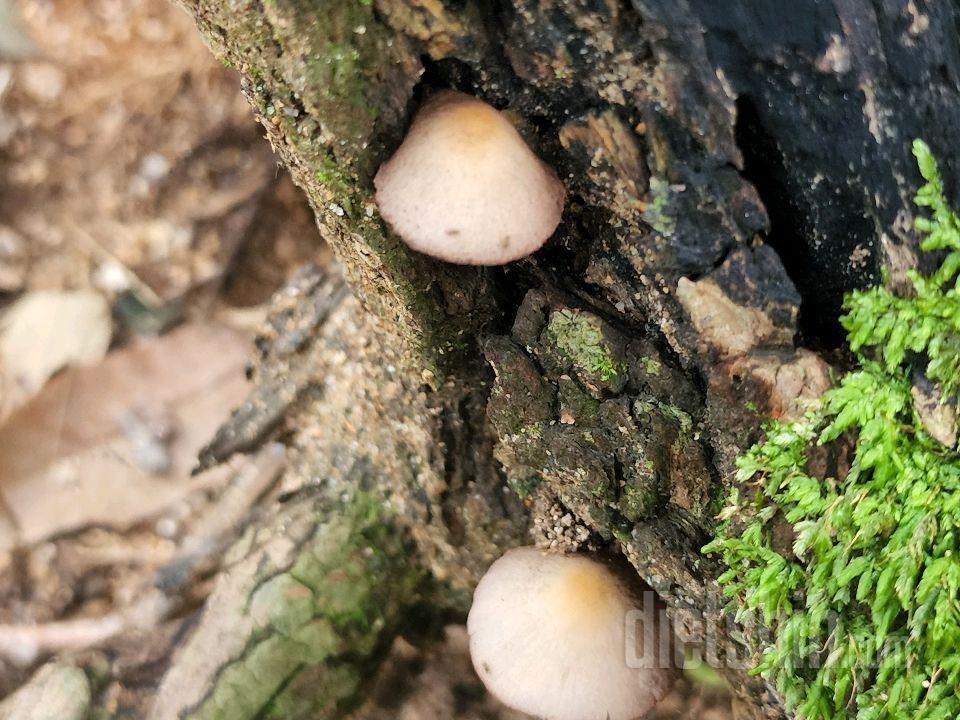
144, 225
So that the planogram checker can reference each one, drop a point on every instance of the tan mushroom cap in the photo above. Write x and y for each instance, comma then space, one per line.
465, 187
549, 636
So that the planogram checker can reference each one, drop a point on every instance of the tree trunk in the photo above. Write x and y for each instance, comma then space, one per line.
733, 168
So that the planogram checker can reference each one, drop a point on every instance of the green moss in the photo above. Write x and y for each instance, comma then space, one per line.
330, 59
657, 214
681, 417
651, 365
700, 674
870, 589
579, 336
638, 499
339, 182
533, 431
524, 486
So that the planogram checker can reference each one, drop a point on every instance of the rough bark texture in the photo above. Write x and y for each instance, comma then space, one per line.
719, 157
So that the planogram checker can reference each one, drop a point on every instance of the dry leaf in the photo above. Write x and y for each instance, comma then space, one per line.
44, 332
68, 459
14, 42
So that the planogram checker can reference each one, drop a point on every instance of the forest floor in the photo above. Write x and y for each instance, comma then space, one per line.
144, 225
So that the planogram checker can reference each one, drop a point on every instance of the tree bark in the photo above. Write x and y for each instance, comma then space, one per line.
733, 168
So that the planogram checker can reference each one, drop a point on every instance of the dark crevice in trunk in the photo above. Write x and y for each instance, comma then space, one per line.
765, 166
445, 73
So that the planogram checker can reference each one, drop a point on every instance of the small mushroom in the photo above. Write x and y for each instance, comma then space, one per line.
556, 636
464, 186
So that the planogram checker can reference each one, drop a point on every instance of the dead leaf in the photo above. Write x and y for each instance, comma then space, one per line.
14, 42
65, 461
44, 332
938, 414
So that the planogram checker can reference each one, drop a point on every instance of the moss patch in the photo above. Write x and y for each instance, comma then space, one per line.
856, 565
581, 339
657, 214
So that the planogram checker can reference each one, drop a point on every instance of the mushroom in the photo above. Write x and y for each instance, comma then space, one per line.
555, 636
464, 186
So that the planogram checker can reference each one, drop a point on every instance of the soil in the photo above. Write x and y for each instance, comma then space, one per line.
131, 166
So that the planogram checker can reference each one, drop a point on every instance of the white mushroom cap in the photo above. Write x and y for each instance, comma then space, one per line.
464, 186
549, 637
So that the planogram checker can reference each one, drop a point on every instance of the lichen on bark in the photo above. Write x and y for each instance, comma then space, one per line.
581, 420
310, 598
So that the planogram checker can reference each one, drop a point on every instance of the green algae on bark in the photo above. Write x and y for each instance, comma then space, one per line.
331, 84
300, 638
574, 423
